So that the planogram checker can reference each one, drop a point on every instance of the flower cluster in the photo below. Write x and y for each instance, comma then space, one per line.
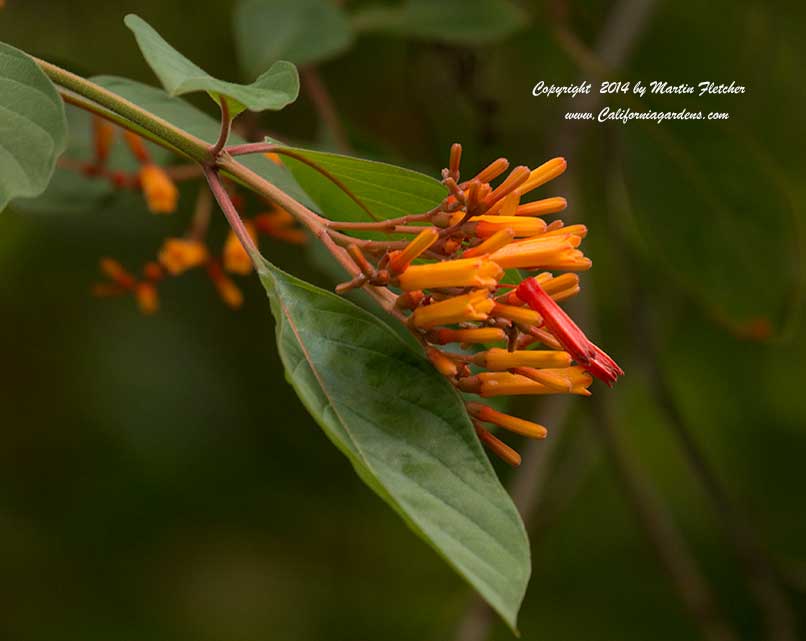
178, 255
486, 326
458, 283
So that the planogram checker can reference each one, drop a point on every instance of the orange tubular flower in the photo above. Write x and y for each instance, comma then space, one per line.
546, 251
486, 226
547, 171
455, 160
542, 207
445, 364
180, 254
115, 272
565, 379
159, 190
520, 315
488, 384
145, 291
481, 336
498, 240
137, 147
563, 287
497, 446
463, 272
470, 307
573, 230
538, 335
509, 205
399, 261
146, 295
227, 290
492, 171
559, 283
516, 178
540, 176
511, 423
583, 351
236, 260
547, 377
559, 288
501, 359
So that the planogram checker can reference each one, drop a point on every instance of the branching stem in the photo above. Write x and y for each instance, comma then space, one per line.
226, 125
232, 215
182, 141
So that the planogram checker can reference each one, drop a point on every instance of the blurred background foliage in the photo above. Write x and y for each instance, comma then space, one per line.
160, 479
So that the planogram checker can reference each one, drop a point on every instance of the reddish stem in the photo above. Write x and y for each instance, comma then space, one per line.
226, 124
232, 215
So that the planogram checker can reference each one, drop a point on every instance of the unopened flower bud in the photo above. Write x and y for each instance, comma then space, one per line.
462, 272
513, 424
399, 261
497, 359
235, 257
497, 446
180, 254
468, 307
444, 364
146, 295
159, 190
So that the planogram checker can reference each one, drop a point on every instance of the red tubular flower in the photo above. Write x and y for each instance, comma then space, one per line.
573, 339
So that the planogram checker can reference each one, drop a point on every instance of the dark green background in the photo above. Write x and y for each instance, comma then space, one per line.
160, 480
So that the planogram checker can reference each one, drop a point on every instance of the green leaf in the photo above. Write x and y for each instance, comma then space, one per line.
388, 191
302, 31
463, 22
198, 123
406, 432
739, 256
33, 127
274, 89
69, 190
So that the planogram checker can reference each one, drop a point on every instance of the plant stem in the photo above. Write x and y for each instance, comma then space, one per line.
226, 124
260, 185
81, 102
188, 144
233, 218
365, 244
382, 296
383, 225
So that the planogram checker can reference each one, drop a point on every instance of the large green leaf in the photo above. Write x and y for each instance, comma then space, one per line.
466, 22
33, 127
302, 31
180, 113
274, 89
388, 191
405, 431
